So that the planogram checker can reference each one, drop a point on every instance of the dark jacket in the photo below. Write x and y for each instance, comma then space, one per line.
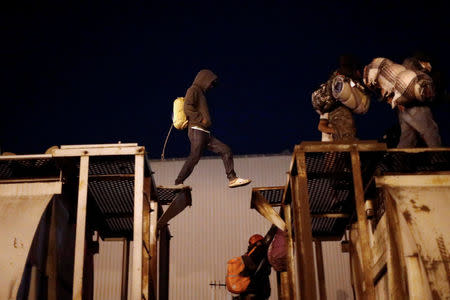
195, 105
259, 278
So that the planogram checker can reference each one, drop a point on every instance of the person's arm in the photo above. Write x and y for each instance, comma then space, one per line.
324, 125
191, 104
253, 259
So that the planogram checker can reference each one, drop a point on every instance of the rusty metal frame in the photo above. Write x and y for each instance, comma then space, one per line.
288, 285
303, 217
306, 276
143, 266
320, 270
363, 225
77, 290
144, 272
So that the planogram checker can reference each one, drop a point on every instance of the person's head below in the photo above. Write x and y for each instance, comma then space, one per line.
349, 66
254, 239
206, 79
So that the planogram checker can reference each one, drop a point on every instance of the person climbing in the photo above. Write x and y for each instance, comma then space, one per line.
257, 267
200, 137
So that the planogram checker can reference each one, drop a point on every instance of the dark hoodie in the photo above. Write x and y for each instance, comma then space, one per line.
195, 105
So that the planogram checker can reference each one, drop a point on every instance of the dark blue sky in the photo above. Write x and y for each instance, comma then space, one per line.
107, 71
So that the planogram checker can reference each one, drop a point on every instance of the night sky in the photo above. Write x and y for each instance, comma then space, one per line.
108, 71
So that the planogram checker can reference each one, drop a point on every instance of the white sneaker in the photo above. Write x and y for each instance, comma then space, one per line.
238, 182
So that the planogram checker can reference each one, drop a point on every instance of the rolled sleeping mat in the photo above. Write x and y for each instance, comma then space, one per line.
387, 78
372, 70
352, 97
412, 86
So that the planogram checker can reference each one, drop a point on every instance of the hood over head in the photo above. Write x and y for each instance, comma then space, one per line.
204, 79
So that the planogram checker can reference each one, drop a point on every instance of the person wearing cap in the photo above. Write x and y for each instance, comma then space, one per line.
257, 267
200, 137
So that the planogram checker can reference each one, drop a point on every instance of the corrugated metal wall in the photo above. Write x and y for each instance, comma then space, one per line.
337, 272
217, 227
108, 271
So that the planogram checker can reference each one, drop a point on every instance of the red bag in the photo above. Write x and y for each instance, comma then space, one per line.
277, 253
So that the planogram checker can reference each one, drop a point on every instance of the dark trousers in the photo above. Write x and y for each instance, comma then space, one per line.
200, 141
415, 122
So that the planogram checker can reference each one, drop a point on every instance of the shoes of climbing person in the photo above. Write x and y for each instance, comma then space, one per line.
238, 182
179, 186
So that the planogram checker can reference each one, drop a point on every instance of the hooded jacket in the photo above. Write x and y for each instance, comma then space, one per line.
195, 104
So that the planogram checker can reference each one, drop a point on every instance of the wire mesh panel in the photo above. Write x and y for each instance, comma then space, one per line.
330, 190
273, 195
114, 199
28, 168
411, 162
166, 195
108, 165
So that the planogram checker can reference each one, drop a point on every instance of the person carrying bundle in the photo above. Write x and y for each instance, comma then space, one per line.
410, 89
338, 98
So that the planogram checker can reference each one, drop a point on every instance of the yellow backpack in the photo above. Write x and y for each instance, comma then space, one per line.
179, 117
179, 120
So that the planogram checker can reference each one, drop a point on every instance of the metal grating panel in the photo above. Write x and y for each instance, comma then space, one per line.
404, 162
330, 182
166, 195
120, 225
330, 189
330, 186
5, 169
109, 165
379, 207
328, 227
114, 199
273, 196
28, 168
322, 225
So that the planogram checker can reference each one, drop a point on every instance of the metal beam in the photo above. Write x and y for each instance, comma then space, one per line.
98, 151
266, 210
136, 269
331, 215
303, 231
340, 147
320, 271
289, 290
25, 157
80, 235
363, 226
153, 239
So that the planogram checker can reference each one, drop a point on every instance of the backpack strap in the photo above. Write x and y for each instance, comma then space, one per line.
165, 143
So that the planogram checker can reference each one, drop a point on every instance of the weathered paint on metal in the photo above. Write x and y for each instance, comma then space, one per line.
21, 208
423, 205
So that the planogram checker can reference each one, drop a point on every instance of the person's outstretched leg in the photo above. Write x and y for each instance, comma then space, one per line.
199, 141
218, 147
